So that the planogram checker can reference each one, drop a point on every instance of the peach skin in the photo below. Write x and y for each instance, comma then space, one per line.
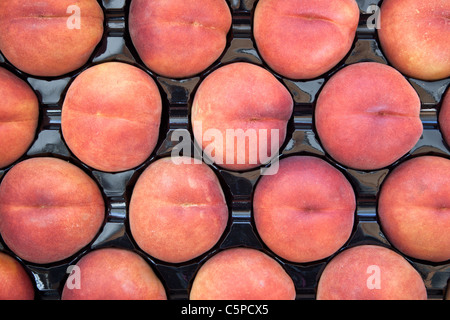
444, 117
302, 39
15, 283
49, 209
52, 37
173, 219
367, 116
242, 274
370, 272
414, 37
19, 116
111, 116
414, 208
179, 38
305, 212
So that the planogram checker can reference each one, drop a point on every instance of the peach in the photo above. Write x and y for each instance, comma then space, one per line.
242, 274
49, 209
15, 283
305, 212
178, 210
179, 38
368, 116
414, 37
444, 117
302, 39
239, 116
113, 274
19, 115
51, 37
414, 208
111, 116
370, 272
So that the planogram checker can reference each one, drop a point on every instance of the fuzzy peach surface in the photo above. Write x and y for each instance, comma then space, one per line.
414, 208
178, 210
414, 37
114, 274
242, 274
36, 37
302, 39
19, 116
15, 283
111, 116
49, 209
179, 38
367, 116
306, 211
241, 97
370, 272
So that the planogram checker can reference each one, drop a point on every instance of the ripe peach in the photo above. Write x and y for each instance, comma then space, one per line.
239, 116
177, 210
444, 117
49, 209
179, 38
19, 113
303, 39
15, 283
113, 274
51, 37
368, 116
370, 272
111, 116
242, 274
305, 212
414, 208
414, 37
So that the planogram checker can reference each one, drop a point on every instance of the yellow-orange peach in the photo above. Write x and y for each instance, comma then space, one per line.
111, 116
414, 208
368, 116
19, 113
113, 274
242, 274
414, 37
239, 116
179, 38
444, 117
302, 39
177, 210
15, 283
51, 37
49, 209
370, 272
305, 212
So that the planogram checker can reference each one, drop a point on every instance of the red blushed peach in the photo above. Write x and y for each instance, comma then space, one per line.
19, 113
113, 274
370, 272
368, 116
49, 209
51, 37
239, 116
15, 283
111, 116
177, 210
444, 118
305, 212
414, 208
179, 38
302, 39
414, 37
242, 274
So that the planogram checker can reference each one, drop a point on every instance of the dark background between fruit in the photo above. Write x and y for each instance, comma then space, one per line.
177, 97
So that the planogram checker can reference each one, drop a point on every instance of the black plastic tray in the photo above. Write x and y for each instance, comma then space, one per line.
177, 95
